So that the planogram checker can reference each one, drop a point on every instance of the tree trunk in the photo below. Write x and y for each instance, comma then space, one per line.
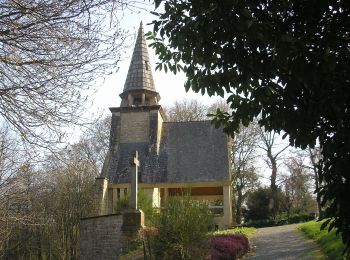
273, 201
239, 205
317, 182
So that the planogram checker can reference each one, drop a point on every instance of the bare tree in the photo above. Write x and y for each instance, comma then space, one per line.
220, 104
243, 158
11, 161
297, 186
273, 152
51, 53
94, 142
40, 206
186, 110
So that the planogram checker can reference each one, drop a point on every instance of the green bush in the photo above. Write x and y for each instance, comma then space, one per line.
182, 228
143, 202
281, 219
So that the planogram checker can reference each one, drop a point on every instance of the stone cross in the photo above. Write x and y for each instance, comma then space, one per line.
134, 180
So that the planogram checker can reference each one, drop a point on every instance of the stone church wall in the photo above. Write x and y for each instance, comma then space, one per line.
135, 127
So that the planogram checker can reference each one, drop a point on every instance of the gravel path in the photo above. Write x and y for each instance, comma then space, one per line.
282, 242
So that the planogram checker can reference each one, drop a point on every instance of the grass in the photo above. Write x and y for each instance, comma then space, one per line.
331, 244
247, 231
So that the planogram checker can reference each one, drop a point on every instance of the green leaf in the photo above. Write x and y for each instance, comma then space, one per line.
157, 3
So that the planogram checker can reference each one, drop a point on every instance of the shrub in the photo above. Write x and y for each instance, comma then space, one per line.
225, 247
148, 235
302, 217
182, 228
143, 202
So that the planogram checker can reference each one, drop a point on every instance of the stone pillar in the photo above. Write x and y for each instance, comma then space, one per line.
227, 201
134, 180
130, 100
143, 99
101, 193
114, 200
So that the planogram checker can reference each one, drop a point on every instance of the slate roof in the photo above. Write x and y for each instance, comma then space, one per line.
140, 74
189, 152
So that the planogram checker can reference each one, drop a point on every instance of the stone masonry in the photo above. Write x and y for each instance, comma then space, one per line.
101, 237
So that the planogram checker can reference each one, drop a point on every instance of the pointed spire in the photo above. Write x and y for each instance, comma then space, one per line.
140, 75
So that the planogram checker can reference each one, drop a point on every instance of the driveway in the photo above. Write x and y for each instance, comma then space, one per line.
282, 242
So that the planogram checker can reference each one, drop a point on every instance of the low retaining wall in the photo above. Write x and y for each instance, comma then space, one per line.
101, 237
107, 237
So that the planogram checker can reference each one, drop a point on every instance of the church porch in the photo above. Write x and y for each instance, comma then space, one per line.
217, 194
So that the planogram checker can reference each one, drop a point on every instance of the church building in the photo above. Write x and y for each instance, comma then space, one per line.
174, 156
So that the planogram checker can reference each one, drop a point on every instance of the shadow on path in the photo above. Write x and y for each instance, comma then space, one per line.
282, 242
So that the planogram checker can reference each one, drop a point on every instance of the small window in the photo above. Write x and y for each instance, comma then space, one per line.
146, 64
137, 101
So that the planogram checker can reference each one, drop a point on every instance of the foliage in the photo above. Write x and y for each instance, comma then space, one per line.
143, 202
225, 247
287, 62
148, 236
330, 243
232, 231
258, 205
301, 217
182, 228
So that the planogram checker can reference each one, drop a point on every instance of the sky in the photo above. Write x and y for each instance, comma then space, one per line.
170, 86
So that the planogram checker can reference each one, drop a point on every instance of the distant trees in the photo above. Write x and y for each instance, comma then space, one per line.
41, 204
186, 110
291, 201
258, 205
273, 152
245, 178
297, 187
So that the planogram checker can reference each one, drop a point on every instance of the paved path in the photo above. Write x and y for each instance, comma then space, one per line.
282, 242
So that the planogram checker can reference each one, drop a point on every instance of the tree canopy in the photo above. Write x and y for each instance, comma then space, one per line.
284, 61
50, 54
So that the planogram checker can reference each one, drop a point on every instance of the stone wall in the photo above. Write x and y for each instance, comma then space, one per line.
101, 237
107, 237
